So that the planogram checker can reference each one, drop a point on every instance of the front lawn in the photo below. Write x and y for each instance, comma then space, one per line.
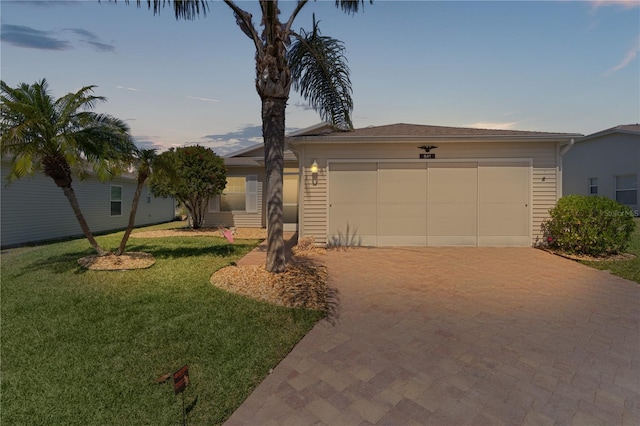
629, 269
85, 347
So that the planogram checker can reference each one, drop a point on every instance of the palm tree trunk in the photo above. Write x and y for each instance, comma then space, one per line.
132, 215
71, 196
273, 116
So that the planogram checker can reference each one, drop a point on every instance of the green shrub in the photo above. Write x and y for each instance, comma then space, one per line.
590, 225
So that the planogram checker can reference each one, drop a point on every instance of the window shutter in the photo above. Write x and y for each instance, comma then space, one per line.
252, 194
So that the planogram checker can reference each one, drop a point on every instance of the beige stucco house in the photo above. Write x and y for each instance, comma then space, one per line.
606, 163
379, 186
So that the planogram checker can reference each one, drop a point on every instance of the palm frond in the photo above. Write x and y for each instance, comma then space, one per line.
38, 129
185, 9
320, 74
351, 6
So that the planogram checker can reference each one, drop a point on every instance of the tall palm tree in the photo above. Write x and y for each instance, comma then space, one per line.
61, 136
314, 64
143, 160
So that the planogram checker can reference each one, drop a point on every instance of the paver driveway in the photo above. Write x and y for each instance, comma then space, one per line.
456, 336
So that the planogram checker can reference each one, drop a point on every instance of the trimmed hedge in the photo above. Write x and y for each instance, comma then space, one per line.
590, 225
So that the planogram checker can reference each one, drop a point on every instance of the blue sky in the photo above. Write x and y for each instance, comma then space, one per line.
558, 66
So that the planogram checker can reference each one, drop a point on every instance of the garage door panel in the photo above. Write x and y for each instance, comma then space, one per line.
504, 183
402, 219
353, 182
455, 219
398, 182
452, 183
503, 219
504, 212
353, 224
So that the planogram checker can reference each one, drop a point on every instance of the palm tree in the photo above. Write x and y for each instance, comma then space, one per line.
59, 136
314, 64
144, 161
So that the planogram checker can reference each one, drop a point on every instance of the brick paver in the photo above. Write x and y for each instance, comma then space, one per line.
462, 336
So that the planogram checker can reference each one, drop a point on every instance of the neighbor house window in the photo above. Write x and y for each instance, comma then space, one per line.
593, 186
239, 195
116, 200
627, 189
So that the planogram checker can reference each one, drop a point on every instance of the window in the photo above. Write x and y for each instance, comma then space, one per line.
239, 195
627, 189
593, 186
116, 200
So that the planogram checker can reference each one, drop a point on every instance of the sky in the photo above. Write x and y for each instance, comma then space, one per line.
554, 66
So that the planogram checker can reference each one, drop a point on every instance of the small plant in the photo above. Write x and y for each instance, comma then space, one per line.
594, 226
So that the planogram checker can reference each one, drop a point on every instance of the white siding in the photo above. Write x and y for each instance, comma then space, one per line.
35, 209
602, 158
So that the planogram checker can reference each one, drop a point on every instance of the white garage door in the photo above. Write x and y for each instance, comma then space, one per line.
464, 203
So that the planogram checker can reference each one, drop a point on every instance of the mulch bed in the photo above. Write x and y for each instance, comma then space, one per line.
111, 262
584, 257
302, 285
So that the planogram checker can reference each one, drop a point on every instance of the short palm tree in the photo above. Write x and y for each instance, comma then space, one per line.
60, 137
143, 161
314, 64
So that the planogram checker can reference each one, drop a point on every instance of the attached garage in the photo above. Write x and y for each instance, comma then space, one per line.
477, 187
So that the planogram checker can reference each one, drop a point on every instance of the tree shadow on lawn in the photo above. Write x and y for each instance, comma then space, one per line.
60, 264
163, 252
68, 262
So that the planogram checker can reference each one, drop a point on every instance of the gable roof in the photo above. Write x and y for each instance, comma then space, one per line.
630, 129
253, 156
419, 131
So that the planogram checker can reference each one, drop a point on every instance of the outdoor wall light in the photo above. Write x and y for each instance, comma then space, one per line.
314, 167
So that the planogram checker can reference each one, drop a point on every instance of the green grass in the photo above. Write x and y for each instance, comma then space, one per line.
629, 269
85, 347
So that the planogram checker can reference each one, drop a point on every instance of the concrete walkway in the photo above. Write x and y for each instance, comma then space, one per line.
462, 336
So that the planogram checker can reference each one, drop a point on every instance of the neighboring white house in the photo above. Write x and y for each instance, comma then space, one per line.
34, 209
606, 163
377, 186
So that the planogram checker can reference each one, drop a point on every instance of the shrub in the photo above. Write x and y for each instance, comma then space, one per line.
590, 225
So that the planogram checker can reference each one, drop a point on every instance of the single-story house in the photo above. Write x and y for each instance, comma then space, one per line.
34, 209
606, 163
406, 184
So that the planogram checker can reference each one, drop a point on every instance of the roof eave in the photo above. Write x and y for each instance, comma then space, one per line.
563, 137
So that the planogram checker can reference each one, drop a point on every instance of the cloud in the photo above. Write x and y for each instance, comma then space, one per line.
303, 106
491, 125
23, 36
202, 99
132, 89
627, 4
226, 143
146, 142
630, 56
92, 40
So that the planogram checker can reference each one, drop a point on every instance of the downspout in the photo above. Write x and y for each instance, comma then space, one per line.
566, 148
562, 150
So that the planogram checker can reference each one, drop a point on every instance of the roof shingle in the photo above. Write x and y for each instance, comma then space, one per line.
417, 130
